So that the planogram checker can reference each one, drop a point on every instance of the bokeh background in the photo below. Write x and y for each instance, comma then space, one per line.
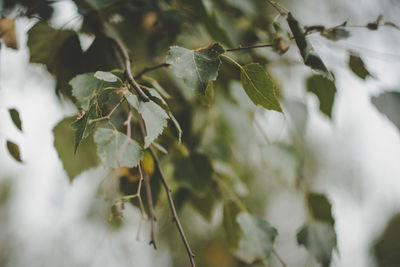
45, 220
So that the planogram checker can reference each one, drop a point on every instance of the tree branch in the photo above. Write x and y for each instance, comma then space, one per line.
170, 199
127, 64
145, 70
146, 177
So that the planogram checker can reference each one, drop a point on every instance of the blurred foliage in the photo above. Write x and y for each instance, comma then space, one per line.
206, 83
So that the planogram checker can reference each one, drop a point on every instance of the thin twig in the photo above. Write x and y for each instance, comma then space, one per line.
145, 70
151, 207
169, 196
173, 209
108, 116
127, 62
248, 47
281, 10
279, 258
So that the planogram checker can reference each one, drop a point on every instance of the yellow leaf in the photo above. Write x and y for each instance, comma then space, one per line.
7, 32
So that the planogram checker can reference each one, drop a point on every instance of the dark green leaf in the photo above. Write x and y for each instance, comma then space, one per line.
388, 103
196, 67
13, 149
14, 114
387, 247
64, 142
310, 58
259, 86
320, 240
258, 238
154, 117
357, 66
116, 149
320, 208
59, 50
83, 126
325, 90
194, 172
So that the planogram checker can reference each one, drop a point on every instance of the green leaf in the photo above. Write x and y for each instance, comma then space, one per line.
257, 240
320, 239
310, 58
13, 149
155, 96
208, 96
386, 247
64, 141
196, 67
105, 76
116, 149
320, 208
357, 66
388, 103
154, 117
194, 172
325, 90
259, 86
83, 126
59, 50
14, 114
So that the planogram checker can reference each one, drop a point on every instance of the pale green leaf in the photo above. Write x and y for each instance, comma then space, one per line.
64, 142
320, 239
154, 117
258, 238
14, 114
259, 86
106, 76
13, 149
325, 90
196, 67
84, 88
116, 149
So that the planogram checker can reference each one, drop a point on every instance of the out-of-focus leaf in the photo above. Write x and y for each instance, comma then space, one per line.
387, 246
298, 113
59, 50
64, 141
357, 66
259, 86
320, 239
7, 32
310, 58
14, 114
116, 149
154, 117
388, 103
83, 127
194, 172
13, 149
231, 226
196, 67
105, 76
336, 34
325, 90
208, 96
257, 240
320, 208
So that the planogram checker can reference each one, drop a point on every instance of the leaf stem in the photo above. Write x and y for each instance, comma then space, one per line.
108, 116
279, 258
148, 69
248, 47
233, 61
